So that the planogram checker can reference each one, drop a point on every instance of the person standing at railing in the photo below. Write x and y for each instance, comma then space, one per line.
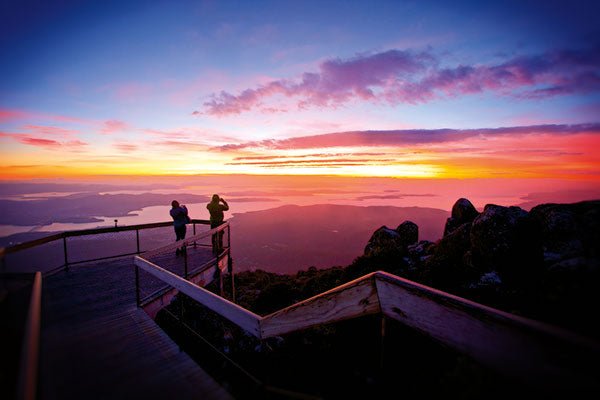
216, 209
179, 213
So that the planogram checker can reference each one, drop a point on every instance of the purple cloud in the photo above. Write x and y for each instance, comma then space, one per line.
398, 76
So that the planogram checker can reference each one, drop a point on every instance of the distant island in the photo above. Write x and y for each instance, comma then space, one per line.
82, 207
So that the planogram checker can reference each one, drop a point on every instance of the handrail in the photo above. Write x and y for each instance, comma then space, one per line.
243, 318
28, 371
93, 231
516, 346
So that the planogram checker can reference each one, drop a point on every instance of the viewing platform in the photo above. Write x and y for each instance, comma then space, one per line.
93, 340
97, 344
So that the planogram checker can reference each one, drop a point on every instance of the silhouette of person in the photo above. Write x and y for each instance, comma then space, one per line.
215, 208
179, 213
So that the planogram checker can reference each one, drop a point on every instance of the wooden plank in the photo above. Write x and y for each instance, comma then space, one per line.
353, 299
234, 313
516, 346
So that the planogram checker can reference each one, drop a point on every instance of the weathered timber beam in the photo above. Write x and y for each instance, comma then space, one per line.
243, 318
351, 300
530, 350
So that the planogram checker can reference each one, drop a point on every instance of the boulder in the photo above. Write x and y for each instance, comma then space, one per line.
385, 241
409, 233
463, 212
448, 265
506, 240
569, 231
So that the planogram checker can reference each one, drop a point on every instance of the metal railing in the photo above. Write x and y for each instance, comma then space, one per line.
64, 249
204, 273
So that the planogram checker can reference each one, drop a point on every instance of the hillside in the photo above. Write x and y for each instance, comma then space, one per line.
291, 238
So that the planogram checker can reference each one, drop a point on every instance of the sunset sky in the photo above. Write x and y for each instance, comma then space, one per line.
389, 89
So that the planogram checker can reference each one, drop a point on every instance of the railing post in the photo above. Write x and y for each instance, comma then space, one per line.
137, 240
65, 251
228, 235
382, 349
185, 262
194, 226
230, 269
137, 285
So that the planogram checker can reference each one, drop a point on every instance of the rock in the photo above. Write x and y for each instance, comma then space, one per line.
569, 231
506, 239
447, 267
463, 212
409, 233
385, 241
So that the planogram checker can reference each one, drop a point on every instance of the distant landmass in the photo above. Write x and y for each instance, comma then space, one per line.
82, 207
290, 238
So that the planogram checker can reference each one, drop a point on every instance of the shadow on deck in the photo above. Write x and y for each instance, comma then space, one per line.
96, 343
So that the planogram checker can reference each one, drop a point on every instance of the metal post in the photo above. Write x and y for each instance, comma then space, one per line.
228, 235
381, 361
137, 240
194, 226
230, 268
185, 262
137, 285
65, 251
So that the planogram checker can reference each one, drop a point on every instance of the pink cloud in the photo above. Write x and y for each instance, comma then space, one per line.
125, 147
12, 114
50, 130
397, 76
409, 137
113, 126
43, 142
39, 142
8, 115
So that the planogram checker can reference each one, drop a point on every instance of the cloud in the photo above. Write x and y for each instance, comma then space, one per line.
405, 76
39, 142
43, 142
392, 196
125, 147
407, 137
113, 126
13, 114
50, 130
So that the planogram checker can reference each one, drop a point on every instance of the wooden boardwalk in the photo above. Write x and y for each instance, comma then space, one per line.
96, 344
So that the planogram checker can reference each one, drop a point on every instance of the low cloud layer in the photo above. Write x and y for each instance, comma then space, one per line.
408, 137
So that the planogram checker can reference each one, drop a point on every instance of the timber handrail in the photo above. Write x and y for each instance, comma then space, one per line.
28, 370
241, 317
516, 346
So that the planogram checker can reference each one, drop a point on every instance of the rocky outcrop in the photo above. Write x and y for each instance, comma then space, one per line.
506, 240
544, 263
570, 234
463, 212
386, 241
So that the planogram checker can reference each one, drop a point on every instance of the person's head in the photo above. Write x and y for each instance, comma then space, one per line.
215, 198
174, 204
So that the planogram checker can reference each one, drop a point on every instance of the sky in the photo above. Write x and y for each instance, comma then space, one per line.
405, 89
